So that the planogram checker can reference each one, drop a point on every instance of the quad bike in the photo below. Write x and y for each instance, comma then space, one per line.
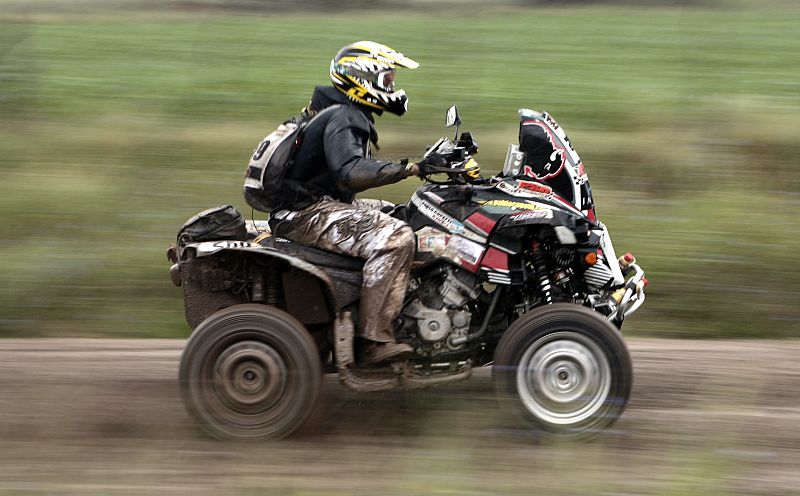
514, 272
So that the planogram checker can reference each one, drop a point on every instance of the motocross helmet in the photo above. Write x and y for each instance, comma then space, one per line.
365, 72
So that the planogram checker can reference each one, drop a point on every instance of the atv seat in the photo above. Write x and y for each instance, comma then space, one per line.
314, 256
344, 271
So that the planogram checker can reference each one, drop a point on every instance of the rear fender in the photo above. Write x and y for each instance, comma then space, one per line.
307, 292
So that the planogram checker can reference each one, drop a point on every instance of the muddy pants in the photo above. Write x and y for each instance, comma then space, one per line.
360, 229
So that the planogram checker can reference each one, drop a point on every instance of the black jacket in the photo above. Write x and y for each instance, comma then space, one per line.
333, 158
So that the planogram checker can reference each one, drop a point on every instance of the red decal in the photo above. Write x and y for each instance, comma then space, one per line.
581, 169
482, 222
535, 187
528, 171
469, 266
495, 259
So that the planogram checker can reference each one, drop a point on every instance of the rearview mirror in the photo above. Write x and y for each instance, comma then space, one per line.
453, 119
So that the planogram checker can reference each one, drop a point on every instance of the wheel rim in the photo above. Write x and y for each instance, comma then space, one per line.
564, 378
249, 378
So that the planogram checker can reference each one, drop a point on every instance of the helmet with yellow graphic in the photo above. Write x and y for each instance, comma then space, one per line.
365, 72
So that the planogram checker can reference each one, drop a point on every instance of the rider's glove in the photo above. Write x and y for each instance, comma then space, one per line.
429, 165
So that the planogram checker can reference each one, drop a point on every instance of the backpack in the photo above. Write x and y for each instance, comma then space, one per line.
272, 158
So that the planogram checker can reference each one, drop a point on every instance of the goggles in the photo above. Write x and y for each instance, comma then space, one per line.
385, 80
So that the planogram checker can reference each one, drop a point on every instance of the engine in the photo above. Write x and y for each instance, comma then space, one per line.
439, 310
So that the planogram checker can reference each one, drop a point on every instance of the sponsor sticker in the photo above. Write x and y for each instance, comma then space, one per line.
430, 240
233, 244
549, 119
464, 249
514, 205
437, 215
454, 247
533, 187
526, 189
536, 214
209, 247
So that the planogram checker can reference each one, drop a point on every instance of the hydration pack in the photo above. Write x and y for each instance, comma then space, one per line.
264, 179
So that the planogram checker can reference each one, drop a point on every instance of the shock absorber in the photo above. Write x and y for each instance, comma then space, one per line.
273, 288
257, 288
540, 268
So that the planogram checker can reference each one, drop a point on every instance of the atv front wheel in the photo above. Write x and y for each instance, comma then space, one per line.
250, 372
563, 369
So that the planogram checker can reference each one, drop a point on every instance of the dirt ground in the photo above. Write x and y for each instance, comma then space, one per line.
98, 417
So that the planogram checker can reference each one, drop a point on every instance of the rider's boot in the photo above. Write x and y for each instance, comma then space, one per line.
373, 352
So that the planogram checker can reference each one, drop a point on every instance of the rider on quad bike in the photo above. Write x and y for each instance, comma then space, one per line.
332, 164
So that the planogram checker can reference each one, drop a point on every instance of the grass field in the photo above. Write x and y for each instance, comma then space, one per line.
118, 124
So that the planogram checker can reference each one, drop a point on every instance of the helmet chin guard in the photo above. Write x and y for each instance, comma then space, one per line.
365, 71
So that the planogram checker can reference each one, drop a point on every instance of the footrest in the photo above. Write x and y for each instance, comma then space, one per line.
364, 381
416, 380
396, 376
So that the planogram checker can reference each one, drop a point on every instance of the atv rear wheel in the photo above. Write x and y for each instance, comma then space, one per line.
564, 370
250, 372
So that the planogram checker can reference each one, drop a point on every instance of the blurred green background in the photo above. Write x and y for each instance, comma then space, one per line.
119, 120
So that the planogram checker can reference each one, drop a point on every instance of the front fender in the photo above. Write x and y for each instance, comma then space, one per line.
545, 216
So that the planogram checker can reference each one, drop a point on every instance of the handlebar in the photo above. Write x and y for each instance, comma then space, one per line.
456, 156
432, 169
460, 174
